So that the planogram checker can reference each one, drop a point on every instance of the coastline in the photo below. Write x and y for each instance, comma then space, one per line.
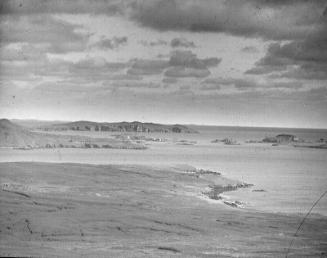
133, 211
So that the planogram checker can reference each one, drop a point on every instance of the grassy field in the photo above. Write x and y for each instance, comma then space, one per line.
70, 210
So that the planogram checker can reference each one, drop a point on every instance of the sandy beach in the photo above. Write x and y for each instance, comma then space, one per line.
75, 210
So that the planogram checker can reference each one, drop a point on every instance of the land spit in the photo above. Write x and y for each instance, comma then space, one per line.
51, 210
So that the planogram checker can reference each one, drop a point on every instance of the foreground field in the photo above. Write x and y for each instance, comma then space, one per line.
135, 211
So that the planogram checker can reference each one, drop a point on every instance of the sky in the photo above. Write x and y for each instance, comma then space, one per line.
213, 62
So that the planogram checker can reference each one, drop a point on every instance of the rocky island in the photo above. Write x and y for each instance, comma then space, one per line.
118, 127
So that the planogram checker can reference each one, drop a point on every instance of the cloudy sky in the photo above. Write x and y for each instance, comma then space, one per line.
236, 62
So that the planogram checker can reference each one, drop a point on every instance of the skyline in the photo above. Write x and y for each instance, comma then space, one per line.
234, 63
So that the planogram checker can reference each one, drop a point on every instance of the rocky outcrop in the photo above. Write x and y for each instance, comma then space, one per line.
281, 139
216, 190
226, 141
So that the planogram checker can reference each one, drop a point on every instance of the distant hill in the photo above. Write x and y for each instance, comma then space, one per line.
119, 127
13, 135
33, 123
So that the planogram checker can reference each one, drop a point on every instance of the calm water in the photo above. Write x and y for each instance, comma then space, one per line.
293, 178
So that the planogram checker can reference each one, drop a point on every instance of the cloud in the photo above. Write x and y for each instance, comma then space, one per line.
301, 58
30, 63
109, 7
132, 85
50, 34
266, 19
182, 42
169, 80
214, 83
93, 70
211, 61
147, 67
248, 84
210, 87
96, 65
318, 94
180, 64
287, 85
34, 63
187, 64
112, 43
158, 42
125, 77
186, 59
189, 59
250, 50
179, 71
23, 63
10, 54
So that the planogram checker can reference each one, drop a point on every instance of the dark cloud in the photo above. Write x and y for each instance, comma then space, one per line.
133, 85
310, 72
180, 64
214, 83
30, 62
211, 61
254, 18
51, 34
264, 69
250, 50
112, 43
267, 19
186, 59
159, 42
186, 64
189, 59
301, 58
182, 42
109, 7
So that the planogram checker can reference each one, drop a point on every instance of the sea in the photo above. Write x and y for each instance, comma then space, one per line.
289, 179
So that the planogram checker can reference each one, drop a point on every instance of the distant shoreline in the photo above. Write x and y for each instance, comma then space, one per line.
47, 122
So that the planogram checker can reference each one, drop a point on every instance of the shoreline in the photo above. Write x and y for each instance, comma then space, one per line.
147, 210
213, 193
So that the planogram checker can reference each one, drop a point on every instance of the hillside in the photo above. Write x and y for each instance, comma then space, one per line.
13, 135
119, 127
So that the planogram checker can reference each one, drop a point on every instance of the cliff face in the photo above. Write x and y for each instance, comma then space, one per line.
120, 127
